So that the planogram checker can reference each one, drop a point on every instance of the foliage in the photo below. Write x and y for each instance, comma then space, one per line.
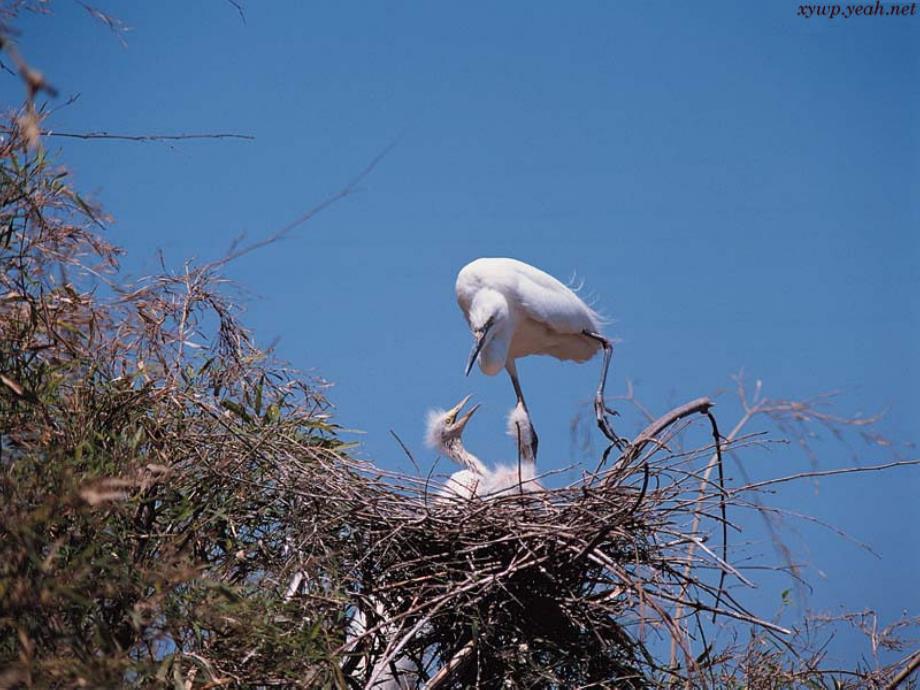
147, 507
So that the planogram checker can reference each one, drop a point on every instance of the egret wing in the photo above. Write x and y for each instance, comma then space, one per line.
547, 300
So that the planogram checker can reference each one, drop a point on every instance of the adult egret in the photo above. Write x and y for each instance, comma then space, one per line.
515, 310
445, 431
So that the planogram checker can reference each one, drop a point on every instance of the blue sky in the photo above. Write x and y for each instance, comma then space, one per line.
736, 186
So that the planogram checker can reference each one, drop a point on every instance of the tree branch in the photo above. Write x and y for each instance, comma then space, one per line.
912, 665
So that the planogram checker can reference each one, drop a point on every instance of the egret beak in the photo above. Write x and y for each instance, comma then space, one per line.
480, 341
474, 353
460, 423
455, 410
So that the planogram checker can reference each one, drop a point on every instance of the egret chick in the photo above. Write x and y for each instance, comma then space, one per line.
520, 429
520, 477
444, 434
515, 310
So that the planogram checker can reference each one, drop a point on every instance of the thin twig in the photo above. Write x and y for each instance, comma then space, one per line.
347, 190
405, 450
828, 473
239, 9
147, 137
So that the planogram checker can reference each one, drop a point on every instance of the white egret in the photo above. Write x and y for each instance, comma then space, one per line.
515, 310
445, 432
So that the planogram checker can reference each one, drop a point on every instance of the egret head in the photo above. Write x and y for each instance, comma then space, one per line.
445, 427
489, 319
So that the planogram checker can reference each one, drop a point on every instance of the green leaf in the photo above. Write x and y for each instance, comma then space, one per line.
257, 406
236, 408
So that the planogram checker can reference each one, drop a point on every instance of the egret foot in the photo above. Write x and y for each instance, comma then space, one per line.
600, 413
600, 409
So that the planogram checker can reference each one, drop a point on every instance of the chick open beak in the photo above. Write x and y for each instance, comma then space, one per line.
455, 410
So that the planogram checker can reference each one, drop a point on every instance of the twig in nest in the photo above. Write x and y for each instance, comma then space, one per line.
405, 450
460, 659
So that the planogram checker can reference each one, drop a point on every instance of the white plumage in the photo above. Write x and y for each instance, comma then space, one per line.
519, 310
444, 433
515, 310
520, 476
519, 428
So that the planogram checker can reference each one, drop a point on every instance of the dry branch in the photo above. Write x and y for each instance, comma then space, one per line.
909, 668
147, 137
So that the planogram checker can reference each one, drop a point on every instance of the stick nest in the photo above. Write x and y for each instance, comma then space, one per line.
547, 587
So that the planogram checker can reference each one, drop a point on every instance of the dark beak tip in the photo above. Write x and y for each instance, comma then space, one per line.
470, 362
474, 354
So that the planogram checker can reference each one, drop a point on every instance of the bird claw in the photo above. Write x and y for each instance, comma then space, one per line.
599, 412
612, 436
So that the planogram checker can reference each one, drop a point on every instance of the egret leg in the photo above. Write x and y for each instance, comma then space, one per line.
511, 368
600, 408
